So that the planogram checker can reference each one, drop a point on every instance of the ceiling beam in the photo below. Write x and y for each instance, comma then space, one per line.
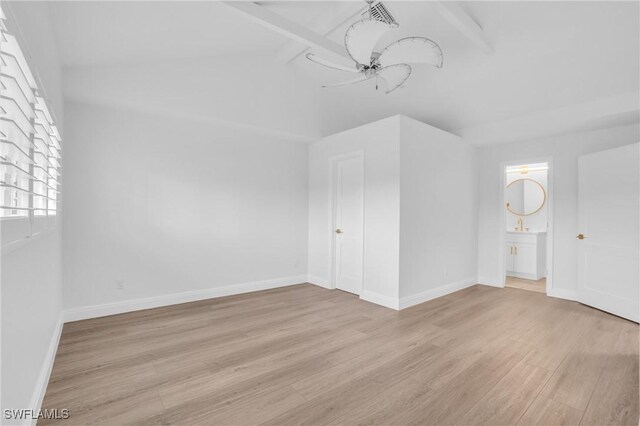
283, 26
465, 24
334, 18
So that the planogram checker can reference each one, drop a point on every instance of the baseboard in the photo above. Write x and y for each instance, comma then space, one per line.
558, 292
563, 294
532, 277
443, 290
379, 299
489, 281
321, 282
96, 311
47, 366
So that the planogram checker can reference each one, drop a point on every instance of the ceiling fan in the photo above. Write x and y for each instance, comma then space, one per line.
391, 64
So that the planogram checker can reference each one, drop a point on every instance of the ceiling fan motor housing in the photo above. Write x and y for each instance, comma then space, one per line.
391, 64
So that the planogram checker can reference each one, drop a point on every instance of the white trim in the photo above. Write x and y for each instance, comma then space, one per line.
523, 275
333, 160
18, 244
561, 293
95, 311
320, 282
434, 293
195, 118
45, 370
549, 238
502, 273
379, 299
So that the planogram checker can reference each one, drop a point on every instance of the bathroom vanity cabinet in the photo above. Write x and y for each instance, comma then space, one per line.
525, 254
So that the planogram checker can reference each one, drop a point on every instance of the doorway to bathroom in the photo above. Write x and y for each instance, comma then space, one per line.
526, 231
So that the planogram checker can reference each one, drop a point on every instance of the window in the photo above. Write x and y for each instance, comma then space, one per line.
30, 144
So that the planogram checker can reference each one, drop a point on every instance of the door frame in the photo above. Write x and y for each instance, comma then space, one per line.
502, 273
333, 160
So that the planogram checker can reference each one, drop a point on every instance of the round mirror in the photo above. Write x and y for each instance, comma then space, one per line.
525, 197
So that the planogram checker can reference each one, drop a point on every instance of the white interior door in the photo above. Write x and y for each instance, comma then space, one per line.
349, 223
609, 200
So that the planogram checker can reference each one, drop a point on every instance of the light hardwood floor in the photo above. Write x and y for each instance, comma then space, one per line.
539, 286
306, 355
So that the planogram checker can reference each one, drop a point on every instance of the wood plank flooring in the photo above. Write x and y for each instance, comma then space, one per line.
539, 286
306, 355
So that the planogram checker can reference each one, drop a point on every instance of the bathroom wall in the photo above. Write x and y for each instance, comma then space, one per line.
536, 222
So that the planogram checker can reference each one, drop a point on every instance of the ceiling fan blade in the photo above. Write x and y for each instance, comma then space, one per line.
344, 83
412, 50
394, 75
328, 64
362, 37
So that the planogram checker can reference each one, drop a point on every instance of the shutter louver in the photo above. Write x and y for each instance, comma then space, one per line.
30, 144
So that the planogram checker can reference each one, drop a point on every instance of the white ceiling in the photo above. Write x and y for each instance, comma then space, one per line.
549, 56
124, 32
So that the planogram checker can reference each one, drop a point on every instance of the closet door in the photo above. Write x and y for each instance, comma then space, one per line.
608, 243
349, 223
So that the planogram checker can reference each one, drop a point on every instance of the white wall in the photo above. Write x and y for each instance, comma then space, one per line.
380, 144
565, 151
420, 210
438, 210
30, 273
172, 206
228, 89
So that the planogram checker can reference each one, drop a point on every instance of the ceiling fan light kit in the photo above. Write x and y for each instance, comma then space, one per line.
391, 64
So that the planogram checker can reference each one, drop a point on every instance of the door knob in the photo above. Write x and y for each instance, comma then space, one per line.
580, 236
338, 231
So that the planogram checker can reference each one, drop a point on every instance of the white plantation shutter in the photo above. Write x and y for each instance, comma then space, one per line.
30, 144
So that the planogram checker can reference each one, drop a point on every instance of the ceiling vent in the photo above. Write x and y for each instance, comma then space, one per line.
380, 12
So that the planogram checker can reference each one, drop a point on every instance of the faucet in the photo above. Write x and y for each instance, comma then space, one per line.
520, 225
